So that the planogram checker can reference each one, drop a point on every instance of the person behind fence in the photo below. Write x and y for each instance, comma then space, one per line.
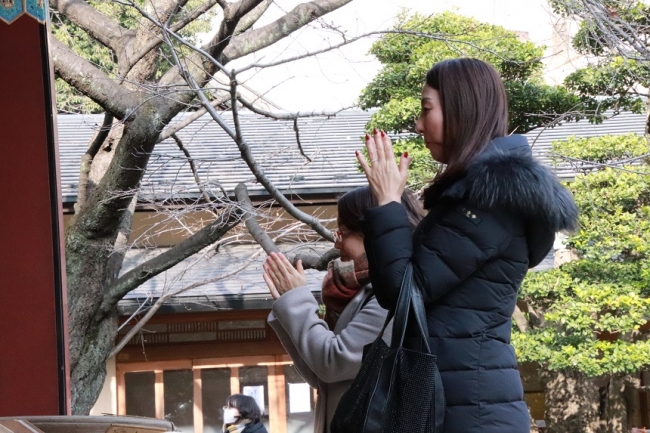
493, 212
327, 352
242, 414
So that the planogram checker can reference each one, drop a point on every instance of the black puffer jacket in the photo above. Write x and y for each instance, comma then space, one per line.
470, 255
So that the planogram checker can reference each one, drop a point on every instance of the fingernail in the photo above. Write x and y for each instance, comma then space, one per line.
406, 154
383, 134
374, 130
356, 152
367, 137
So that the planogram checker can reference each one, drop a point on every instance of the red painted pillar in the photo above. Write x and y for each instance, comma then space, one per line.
33, 334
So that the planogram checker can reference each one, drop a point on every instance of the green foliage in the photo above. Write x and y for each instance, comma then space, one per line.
606, 148
406, 57
70, 100
614, 80
594, 307
532, 105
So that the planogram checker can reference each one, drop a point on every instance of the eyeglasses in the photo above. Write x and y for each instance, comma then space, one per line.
338, 234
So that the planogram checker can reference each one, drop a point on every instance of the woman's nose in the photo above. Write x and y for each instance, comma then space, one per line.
419, 125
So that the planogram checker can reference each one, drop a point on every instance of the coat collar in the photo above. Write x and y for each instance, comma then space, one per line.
516, 144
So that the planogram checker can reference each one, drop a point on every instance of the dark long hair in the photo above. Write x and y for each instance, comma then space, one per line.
475, 110
353, 205
247, 407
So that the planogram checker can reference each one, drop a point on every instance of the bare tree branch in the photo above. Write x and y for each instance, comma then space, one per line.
139, 68
206, 236
247, 156
288, 116
161, 300
297, 131
190, 161
609, 30
150, 44
169, 131
245, 150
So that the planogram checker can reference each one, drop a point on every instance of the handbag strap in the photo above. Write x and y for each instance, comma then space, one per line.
409, 296
419, 312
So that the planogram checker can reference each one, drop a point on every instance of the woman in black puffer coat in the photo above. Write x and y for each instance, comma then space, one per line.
493, 214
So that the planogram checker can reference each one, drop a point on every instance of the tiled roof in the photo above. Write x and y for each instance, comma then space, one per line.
329, 142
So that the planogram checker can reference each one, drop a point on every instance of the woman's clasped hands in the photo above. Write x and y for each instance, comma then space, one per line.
280, 275
386, 178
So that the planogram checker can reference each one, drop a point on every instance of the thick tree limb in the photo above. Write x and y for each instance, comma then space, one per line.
314, 261
142, 69
251, 18
309, 261
92, 82
192, 245
99, 26
87, 159
144, 48
256, 231
106, 205
300, 16
202, 65
232, 13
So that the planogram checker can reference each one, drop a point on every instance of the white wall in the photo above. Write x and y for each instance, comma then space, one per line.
107, 401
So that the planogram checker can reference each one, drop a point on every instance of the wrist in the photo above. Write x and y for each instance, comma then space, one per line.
385, 200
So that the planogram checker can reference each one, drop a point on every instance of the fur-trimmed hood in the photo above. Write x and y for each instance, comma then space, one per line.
506, 176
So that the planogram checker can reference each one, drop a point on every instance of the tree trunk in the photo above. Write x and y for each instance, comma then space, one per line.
576, 403
572, 402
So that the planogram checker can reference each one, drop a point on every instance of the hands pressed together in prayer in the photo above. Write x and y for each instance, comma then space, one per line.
280, 275
387, 180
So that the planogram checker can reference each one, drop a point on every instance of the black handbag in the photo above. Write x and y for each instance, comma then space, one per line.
398, 389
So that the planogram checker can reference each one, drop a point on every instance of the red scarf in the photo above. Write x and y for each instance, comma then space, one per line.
342, 283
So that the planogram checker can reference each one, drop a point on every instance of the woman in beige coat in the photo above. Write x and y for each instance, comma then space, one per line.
327, 352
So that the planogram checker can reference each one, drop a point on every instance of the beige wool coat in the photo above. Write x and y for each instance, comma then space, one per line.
327, 359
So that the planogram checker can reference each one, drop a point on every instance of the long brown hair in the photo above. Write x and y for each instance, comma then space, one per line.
475, 110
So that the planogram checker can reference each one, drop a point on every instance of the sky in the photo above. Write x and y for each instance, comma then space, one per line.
334, 80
